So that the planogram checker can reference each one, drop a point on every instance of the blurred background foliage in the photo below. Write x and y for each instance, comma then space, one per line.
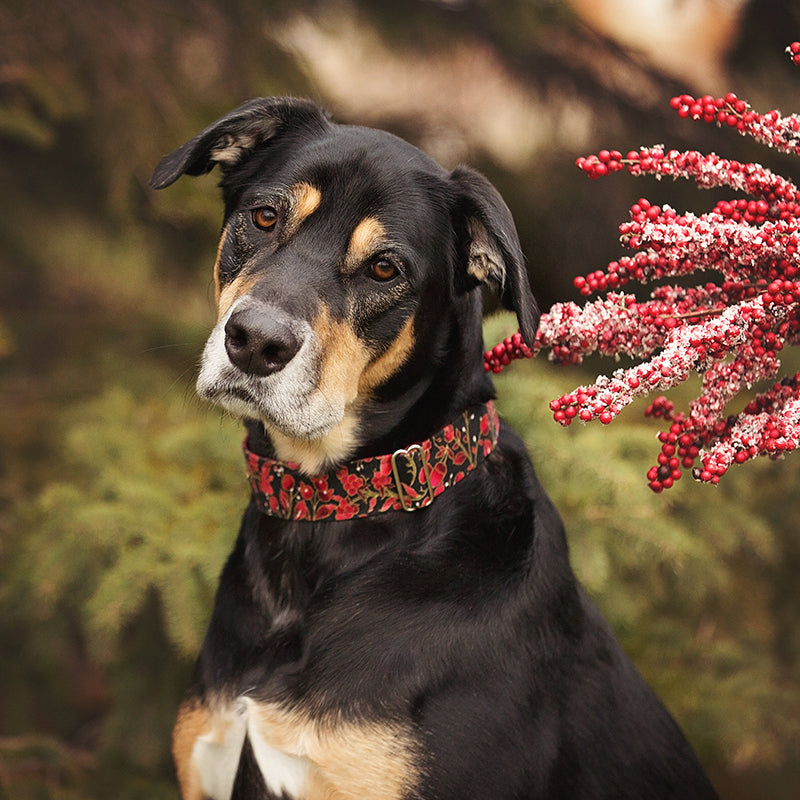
119, 495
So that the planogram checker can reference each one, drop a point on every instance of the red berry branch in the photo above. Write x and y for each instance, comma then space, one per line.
729, 330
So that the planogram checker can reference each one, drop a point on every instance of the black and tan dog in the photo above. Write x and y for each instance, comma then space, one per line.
398, 618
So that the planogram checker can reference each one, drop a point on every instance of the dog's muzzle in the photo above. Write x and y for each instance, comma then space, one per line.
260, 363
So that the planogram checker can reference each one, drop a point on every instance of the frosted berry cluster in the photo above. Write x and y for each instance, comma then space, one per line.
729, 329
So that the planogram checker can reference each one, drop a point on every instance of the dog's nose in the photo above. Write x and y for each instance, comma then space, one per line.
258, 343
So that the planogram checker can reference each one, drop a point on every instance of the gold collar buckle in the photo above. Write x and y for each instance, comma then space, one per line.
418, 470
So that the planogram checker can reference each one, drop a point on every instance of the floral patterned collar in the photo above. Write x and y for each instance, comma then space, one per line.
408, 479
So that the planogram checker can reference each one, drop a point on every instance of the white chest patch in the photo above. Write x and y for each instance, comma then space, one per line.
283, 773
216, 756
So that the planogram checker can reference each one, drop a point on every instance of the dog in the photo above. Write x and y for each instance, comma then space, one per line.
398, 619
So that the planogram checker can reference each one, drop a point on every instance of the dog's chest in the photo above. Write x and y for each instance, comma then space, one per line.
299, 757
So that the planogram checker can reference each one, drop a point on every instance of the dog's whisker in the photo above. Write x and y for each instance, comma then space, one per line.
171, 345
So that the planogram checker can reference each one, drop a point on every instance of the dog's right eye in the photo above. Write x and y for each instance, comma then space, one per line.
382, 270
265, 218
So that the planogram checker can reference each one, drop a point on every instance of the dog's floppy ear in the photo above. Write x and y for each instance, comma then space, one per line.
491, 248
233, 136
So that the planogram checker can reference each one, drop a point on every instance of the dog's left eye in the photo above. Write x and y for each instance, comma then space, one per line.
382, 270
265, 218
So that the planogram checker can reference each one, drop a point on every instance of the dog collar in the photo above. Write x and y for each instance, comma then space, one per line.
407, 480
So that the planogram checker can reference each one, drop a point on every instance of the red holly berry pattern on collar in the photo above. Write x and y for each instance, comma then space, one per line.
408, 479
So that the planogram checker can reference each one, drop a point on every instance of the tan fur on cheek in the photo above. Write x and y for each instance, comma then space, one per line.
345, 360
380, 370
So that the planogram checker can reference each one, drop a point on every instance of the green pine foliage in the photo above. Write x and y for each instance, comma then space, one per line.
118, 566
148, 490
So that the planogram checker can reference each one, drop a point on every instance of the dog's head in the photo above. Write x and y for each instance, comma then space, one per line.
345, 279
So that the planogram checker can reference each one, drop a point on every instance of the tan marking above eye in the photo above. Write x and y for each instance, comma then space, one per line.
303, 201
368, 237
306, 201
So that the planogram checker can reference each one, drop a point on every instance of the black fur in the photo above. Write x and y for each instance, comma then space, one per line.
464, 620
